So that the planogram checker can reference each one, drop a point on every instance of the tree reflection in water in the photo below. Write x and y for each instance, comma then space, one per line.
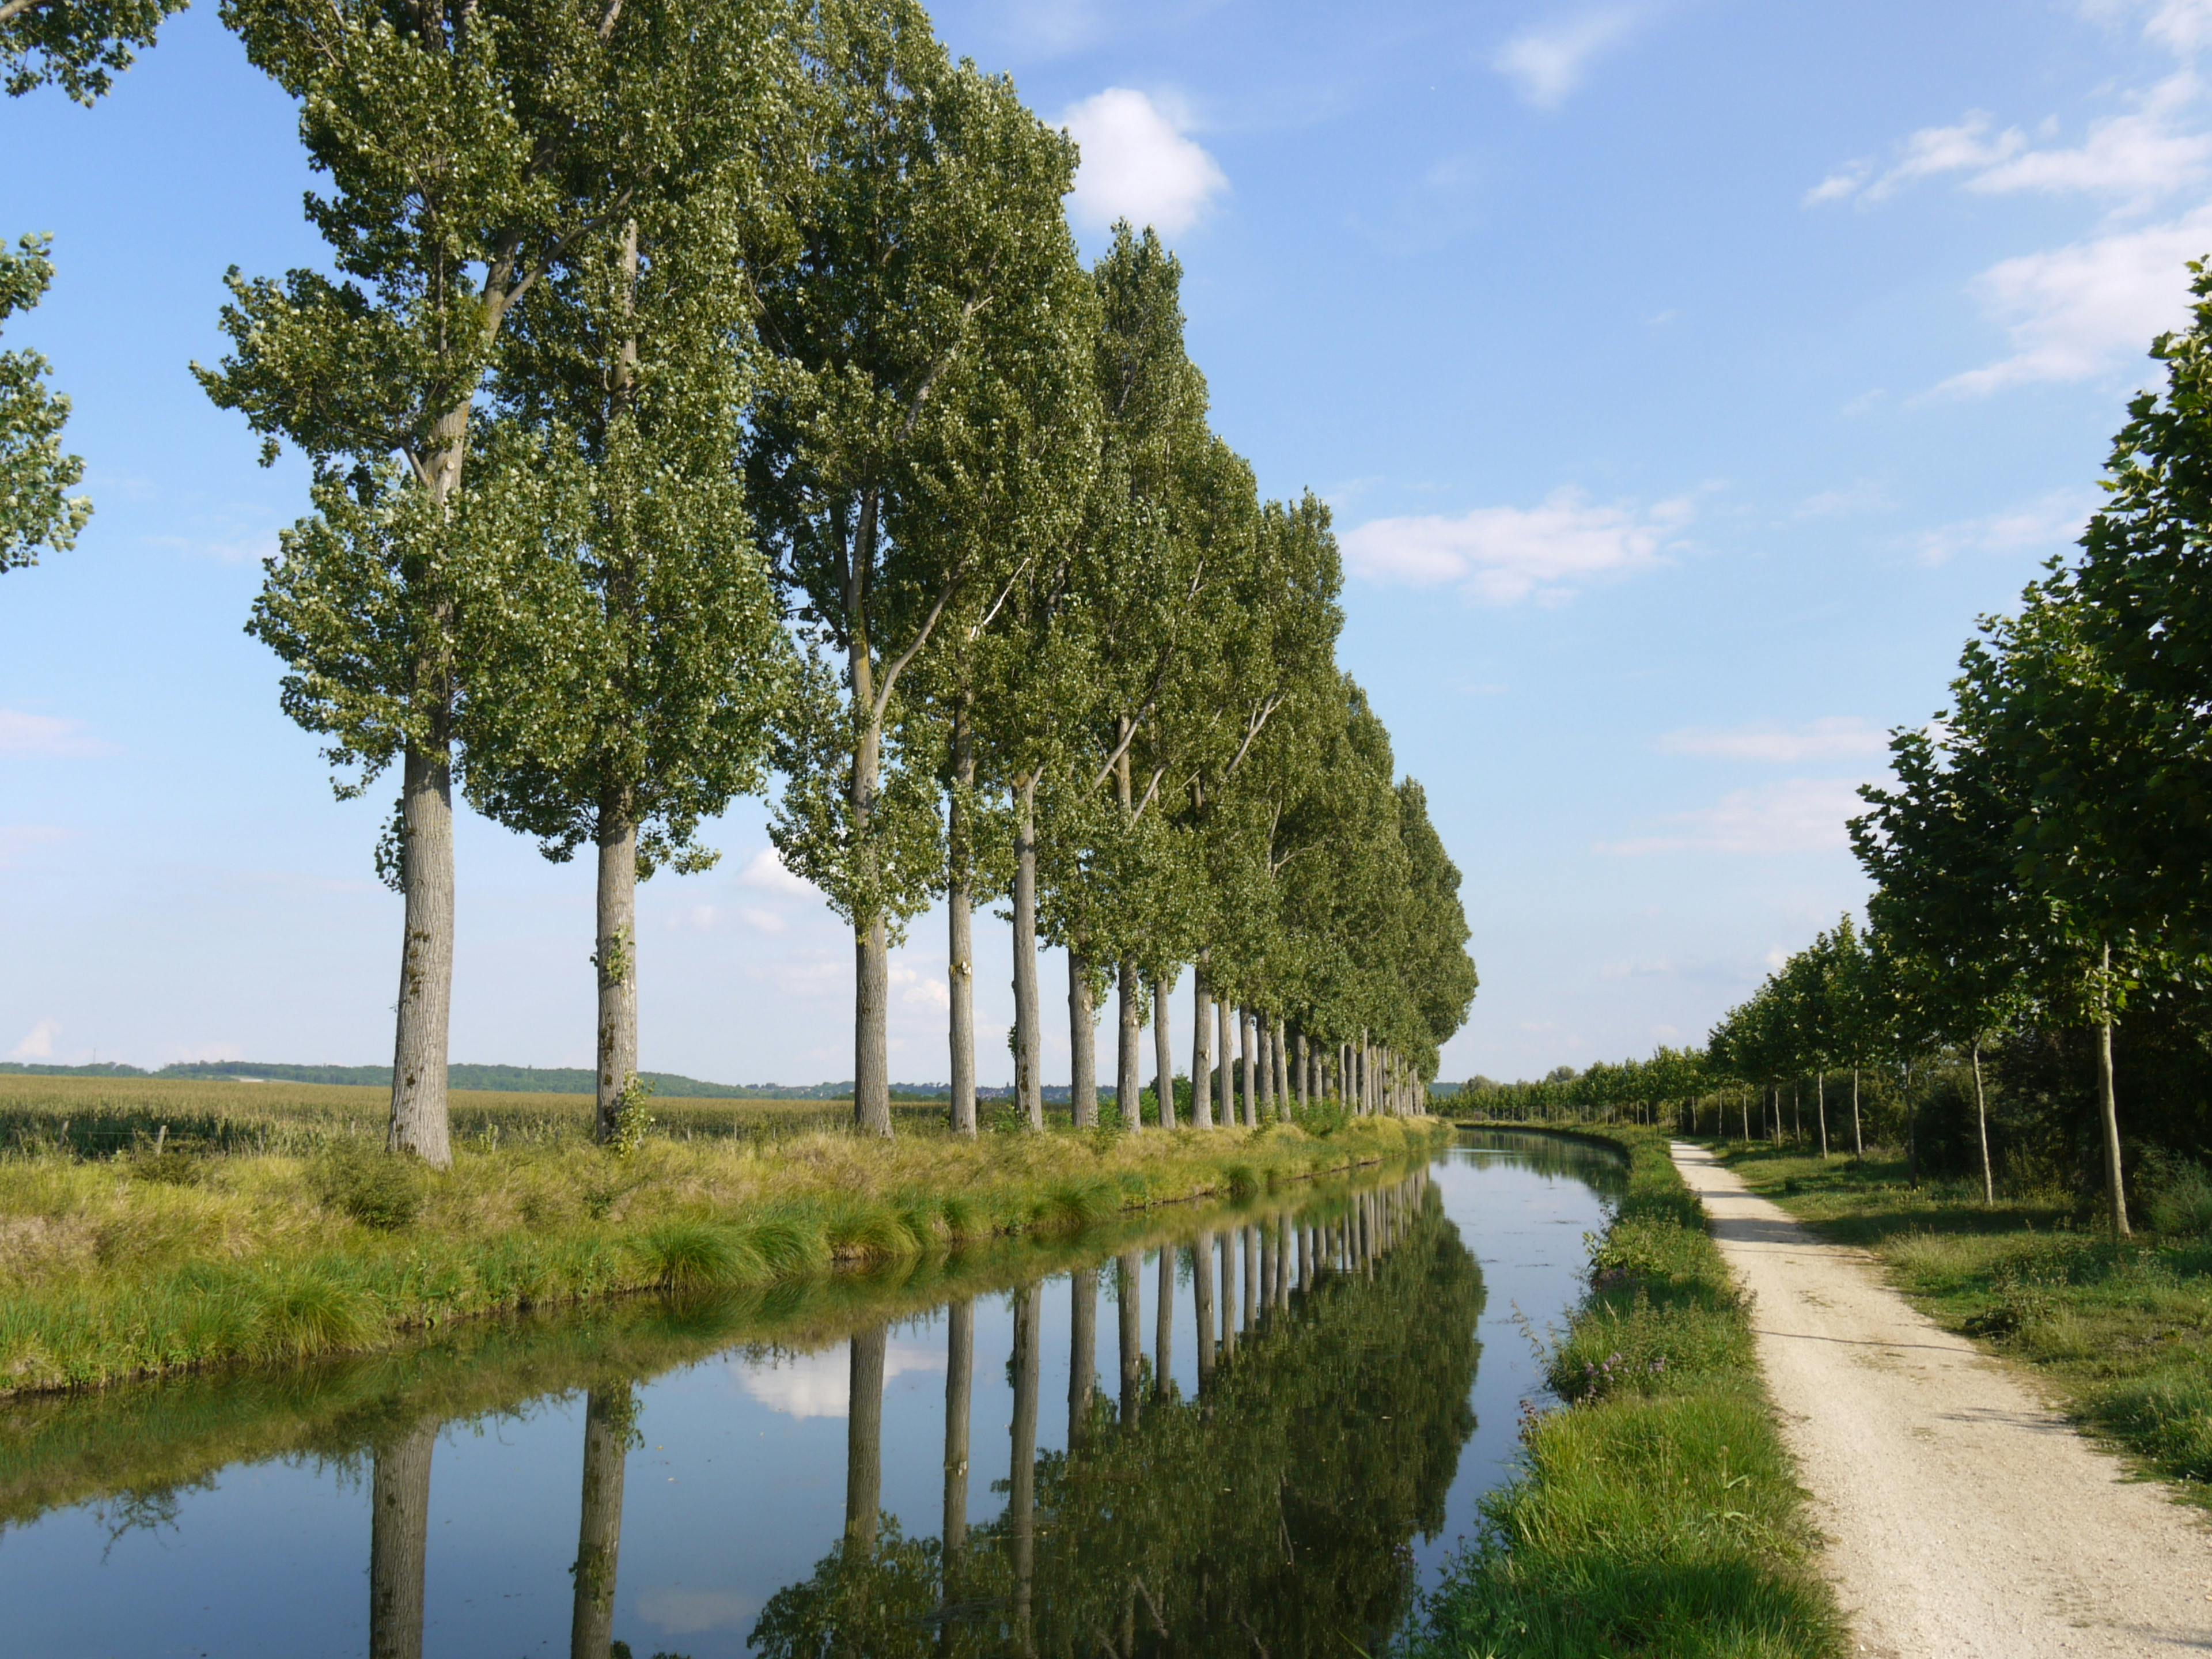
1274, 1514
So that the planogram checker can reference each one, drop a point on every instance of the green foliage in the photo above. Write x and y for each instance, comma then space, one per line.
79, 46
34, 473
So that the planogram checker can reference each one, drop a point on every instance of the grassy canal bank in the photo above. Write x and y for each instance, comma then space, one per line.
155, 1262
2121, 1330
1658, 1512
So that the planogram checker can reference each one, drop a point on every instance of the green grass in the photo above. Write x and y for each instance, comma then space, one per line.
146, 1263
2122, 1329
1657, 1512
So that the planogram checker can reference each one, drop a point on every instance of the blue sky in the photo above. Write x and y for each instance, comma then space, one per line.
1686, 377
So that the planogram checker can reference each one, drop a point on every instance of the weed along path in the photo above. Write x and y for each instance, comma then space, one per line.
1964, 1517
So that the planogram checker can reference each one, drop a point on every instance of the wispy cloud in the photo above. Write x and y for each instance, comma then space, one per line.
1139, 163
37, 1043
2047, 523
1797, 815
1547, 64
46, 736
684, 1612
2077, 312
1504, 555
768, 872
1837, 737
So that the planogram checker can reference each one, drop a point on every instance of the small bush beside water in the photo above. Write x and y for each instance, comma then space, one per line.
1657, 1512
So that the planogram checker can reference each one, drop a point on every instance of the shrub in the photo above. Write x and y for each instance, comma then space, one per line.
2182, 1206
379, 1189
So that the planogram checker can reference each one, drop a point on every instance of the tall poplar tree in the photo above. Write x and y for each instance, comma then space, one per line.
929, 271
444, 134
629, 695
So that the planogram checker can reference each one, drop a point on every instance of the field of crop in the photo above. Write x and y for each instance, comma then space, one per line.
100, 1116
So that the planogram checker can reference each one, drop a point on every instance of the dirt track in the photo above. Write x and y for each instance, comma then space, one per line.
1964, 1516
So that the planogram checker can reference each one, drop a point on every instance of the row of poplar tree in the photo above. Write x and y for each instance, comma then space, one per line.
708, 392
2042, 861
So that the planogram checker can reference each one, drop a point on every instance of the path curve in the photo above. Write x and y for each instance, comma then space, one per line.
1965, 1518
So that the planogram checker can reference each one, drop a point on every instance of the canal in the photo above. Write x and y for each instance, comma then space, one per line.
1258, 1428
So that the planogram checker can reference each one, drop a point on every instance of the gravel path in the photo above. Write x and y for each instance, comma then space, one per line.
1964, 1517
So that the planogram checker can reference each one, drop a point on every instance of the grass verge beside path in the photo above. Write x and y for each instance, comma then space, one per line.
158, 1263
1657, 1512
2121, 1330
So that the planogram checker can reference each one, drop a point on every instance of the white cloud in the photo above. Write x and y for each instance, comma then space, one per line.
2184, 28
1549, 64
1798, 815
37, 1043
918, 989
820, 1384
2075, 312
1503, 554
682, 1612
767, 871
1139, 164
45, 735
1968, 146
1839, 737
2139, 157
2050, 522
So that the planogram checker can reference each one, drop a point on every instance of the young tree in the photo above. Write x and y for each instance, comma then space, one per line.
445, 134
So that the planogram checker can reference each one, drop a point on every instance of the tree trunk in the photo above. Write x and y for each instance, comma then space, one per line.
1250, 1046
1264, 1029
1202, 1293
871, 1092
2108, 1107
1278, 1041
1163, 1326
960, 1392
1128, 1305
1229, 1248
1253, 1283
420, 1121
598, 1534
1028, 1022
1201, 1048
959, 911
1082, 1353
872, 1089
1820, 1091
399, 1543
1858, 1135
864, 1439
1982, 1128
1163, 1052
1128, 1051
617, 960
1225, 1075
1082, 1043
1021, 1500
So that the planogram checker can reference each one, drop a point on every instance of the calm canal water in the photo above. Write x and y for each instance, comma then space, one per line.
1257, 1429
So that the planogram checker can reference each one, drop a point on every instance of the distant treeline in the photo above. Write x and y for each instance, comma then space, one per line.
506, 1080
